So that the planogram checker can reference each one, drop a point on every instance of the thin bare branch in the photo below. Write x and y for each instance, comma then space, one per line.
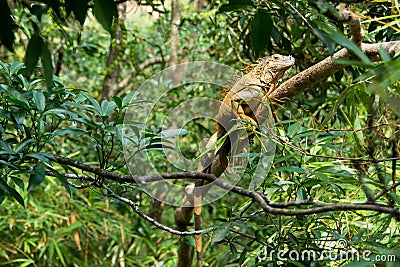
135, 208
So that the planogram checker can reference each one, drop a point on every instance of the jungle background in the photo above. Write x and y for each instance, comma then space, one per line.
69, 70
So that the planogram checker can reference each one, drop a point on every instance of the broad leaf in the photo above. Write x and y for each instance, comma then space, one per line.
33, 52
79, 8
105, 11
260, 31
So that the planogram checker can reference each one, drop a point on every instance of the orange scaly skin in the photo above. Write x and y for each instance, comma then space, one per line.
238, 105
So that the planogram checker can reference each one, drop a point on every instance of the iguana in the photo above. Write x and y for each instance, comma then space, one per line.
238, 107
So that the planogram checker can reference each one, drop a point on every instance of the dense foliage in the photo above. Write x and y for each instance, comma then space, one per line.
339, 138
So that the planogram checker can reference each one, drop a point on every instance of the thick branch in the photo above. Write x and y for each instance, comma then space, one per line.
326, 68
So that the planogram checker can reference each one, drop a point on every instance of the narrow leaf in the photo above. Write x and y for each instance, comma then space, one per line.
33, 52
220, 234
37, 177
69, 130
61, 179
6, 188
173, 132
39, 100
47, 65
128, 98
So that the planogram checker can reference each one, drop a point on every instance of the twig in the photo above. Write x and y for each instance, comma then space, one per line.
267, 205
135, 208
385, 190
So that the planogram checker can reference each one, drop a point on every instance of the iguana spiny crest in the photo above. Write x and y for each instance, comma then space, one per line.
240, 101
269, 70
251, 89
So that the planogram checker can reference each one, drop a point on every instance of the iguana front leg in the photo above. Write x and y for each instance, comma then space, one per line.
240, 103
232, 109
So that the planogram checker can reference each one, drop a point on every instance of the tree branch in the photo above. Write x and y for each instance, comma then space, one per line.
326, 68
267, 205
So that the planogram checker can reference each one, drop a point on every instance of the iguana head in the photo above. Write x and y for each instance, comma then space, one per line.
269, 70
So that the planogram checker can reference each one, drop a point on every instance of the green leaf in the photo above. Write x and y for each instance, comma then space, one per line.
301, 194
47, 65
15, 67
61, 179
41, 156
291, 169
107, 107
384, 54
94, 103
39, 100
58, 251
33, 52
233, 250
26, 143
79, 8
236, 5
105, 11
326, 40
173, 132
37, 177
7, 36
127, 99
6, 146
294, 129
243, 257
18, 182
118, 101
17, 98
260, 31
4, 67
221, 233
59, 112
333, 35
7, 189
71, 227
69, 130
12, 166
